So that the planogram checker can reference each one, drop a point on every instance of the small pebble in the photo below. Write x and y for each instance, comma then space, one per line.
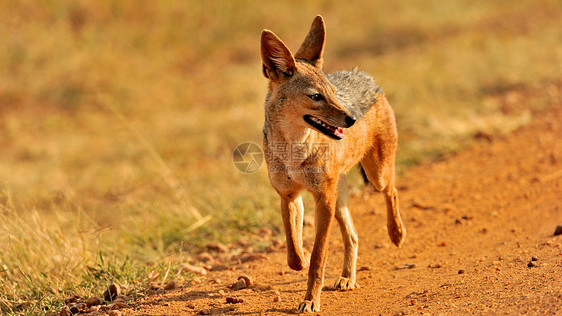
191, 305
94, 300
532, 264
277, 299
240, 284
170, 286
405, 266
111, 293
213, 246
462, 271
558, 230
234, 300
118, 305
193, 269
114, 313
535, 258
246, 279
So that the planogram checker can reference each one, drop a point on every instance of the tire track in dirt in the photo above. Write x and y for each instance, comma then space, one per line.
475, 220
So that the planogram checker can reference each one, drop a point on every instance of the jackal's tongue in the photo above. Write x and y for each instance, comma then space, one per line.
339, 131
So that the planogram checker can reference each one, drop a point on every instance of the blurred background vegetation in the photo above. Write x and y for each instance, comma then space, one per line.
118, 118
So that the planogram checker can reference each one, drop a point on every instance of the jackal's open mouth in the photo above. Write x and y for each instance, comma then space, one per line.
323, 127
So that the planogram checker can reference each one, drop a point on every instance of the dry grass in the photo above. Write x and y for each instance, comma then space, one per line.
118, 119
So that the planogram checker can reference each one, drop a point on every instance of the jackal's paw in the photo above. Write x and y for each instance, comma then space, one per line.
345, 284
308, 307
397, 233
298, 264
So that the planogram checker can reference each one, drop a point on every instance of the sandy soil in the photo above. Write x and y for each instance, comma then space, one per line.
475, 221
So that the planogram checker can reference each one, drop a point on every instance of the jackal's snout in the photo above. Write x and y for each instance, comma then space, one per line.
337, 114
331, 123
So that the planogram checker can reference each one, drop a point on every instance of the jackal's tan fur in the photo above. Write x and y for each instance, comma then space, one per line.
305, 109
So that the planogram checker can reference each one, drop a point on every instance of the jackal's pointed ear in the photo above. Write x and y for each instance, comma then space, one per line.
277, 59
312, 49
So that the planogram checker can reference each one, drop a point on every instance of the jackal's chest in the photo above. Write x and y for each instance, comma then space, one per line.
292, 178
293, 166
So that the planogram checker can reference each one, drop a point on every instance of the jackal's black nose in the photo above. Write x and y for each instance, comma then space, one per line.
350, 120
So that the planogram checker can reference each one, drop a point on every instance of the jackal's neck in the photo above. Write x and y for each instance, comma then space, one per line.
285, 131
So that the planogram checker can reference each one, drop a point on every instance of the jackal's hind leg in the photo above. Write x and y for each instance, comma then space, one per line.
379, 167
347, 280
394, 224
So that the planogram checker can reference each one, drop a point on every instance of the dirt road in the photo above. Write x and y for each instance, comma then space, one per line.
476, 221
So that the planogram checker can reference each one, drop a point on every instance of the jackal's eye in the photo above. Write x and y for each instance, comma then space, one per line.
316, 97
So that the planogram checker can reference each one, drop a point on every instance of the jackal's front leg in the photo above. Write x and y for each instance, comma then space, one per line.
292, 211
324, 216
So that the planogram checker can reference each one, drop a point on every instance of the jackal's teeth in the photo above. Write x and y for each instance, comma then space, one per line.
330, 130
